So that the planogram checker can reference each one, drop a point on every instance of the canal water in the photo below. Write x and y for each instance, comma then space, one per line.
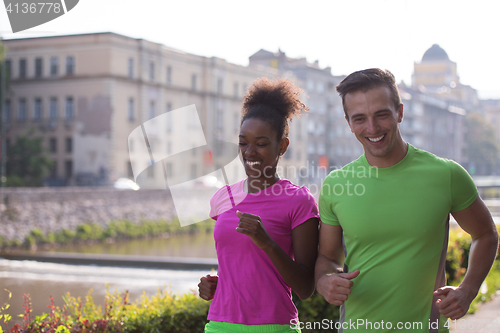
42, 280
200, 245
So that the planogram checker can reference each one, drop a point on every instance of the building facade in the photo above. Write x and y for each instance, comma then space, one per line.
84, 95
492, 116
437, 75
432, 124
330, 144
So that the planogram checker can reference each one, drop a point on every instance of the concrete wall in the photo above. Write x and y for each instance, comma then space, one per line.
53, 209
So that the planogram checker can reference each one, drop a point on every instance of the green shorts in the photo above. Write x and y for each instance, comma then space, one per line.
223, 327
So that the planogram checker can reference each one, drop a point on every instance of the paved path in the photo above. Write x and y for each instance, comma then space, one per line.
485, 320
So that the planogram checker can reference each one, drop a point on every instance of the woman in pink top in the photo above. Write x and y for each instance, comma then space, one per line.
266, 234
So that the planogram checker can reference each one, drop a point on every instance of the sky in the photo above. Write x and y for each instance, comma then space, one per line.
347, 35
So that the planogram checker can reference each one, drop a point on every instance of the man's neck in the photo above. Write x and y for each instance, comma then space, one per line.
396, 155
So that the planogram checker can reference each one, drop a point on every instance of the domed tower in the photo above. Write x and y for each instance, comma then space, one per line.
436, 72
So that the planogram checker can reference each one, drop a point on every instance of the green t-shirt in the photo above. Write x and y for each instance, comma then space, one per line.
395, 227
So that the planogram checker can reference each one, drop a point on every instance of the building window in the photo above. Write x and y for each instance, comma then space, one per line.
219, 115
54, 66
311, 126
152, 71
236, 89
321, 148
53, 171
70, 65
169, 75
53, 145
310, 85
69, 145
236, 122
311, 148
244, 88
21, 115
70, 112
193, 171
131, 68
131, 109
193, 82
68, 169
169, 121
8, 68
220, 86
38, 114
320, 87
38, 67
53, 108
152, 110
169, 117
22, 68
7, 113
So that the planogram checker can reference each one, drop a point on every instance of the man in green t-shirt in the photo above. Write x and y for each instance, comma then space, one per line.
385, 220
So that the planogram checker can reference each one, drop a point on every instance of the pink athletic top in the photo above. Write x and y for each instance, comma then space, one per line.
250, 290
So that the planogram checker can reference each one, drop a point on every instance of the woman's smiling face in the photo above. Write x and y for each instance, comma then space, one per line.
260, 148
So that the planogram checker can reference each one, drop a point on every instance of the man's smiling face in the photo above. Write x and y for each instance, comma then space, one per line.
373, 118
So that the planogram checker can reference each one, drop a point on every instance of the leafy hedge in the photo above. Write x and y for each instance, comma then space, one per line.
457, 259
120, 229
165, 312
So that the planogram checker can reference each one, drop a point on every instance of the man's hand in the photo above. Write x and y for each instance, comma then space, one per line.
453, 302
251, 225
335, 288
207, 286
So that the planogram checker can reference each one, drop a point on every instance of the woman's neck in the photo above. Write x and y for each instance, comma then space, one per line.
254, 185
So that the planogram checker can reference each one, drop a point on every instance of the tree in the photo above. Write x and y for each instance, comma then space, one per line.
27, 163
481, 147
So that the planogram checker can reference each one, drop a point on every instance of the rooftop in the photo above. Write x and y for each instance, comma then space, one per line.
435, 53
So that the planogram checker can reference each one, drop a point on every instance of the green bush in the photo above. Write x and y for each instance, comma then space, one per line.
457, 256
165, 312
120, 229
64, 236
315, 309
89, 231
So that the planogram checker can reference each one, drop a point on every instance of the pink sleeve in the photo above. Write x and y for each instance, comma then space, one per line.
220, 202
304, 207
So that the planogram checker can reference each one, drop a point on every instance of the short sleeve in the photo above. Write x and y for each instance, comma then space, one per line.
220, 202
463, 189
326, 203
304, 207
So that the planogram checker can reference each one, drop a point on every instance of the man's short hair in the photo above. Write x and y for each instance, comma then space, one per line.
368, 79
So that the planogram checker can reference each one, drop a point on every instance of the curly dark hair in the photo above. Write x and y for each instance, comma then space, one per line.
275, 102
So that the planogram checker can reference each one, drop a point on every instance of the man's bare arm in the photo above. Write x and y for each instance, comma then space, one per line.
475, 220
331, 282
